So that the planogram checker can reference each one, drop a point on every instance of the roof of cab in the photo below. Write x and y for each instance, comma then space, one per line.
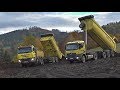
25, 46
77, 41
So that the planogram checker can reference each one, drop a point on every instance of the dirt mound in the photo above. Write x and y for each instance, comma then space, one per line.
102, 68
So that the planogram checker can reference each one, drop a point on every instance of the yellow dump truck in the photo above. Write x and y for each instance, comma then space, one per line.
77, 50
29, 55
51, 50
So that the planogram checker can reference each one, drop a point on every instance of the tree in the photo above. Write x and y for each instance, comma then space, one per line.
1, 54
28, 40
6, 56
31, 40
38, 44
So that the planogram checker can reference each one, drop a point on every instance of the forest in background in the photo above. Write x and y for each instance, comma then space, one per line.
10, 41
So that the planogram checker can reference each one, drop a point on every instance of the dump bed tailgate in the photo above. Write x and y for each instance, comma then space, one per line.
50, 47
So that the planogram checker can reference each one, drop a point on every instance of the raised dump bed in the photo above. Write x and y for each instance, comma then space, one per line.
97, 33
50, 46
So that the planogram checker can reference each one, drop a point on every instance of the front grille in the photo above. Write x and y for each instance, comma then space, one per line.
28, 59
70, 55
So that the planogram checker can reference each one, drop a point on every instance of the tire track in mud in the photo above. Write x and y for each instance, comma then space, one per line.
102, 68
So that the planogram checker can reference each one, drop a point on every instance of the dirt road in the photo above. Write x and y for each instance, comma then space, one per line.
102, 68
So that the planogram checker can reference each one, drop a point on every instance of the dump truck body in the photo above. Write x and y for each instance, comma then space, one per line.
50, 46
97, 33
29, 55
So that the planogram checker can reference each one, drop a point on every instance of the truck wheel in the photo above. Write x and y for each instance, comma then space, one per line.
42, 62
112, 53
53, 61
56, 59
108, 54
37, 62
83, 59
104, 55
95, 56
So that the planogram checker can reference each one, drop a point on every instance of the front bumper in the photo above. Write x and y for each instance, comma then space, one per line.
25, 61
76, 58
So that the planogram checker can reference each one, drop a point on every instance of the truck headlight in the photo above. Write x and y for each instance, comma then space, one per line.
77, 57
19, 61
66, 58
32, 59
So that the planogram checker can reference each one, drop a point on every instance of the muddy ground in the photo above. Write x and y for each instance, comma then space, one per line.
102, 68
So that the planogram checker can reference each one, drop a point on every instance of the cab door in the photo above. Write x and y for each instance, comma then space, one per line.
82, 48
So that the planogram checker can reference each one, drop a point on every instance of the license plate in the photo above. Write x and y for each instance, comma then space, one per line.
71, 58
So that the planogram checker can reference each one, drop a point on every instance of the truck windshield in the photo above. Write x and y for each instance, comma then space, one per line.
24, 50
74, 46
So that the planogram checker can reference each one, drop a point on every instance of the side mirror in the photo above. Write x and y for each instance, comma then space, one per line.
65, 47
34, 49
80, 46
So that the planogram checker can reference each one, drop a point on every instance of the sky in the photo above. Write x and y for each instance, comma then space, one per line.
64, 21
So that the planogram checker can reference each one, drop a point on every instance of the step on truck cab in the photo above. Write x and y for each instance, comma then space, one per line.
98, 34
51, 49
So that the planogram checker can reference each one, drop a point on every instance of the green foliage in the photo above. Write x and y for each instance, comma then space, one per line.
28, 40
5, 55
1, 54
15, 37
112, 28
31, 40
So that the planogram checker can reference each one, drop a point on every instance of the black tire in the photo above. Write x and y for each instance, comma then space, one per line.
112, 53
83, 59
37, 62
56, 60
108, 54
53, 60
104, 55
99, 54
42, 62
95, 56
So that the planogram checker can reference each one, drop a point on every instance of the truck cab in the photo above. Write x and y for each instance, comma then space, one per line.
26, 54
75, 50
